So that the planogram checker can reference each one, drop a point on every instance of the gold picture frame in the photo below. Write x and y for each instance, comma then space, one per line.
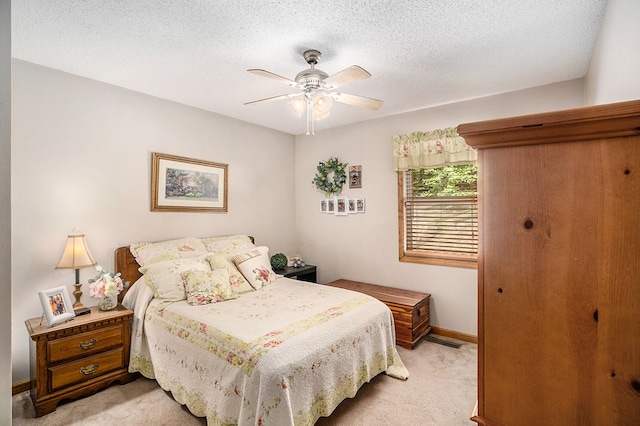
181, 184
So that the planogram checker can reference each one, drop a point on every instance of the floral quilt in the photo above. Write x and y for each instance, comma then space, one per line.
286, 354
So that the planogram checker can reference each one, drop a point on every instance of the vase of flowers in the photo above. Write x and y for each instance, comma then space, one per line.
106, 287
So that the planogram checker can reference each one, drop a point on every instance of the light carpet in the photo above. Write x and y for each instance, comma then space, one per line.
441, 391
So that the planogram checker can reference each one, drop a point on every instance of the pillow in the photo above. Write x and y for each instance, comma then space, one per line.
165, 278
149, 253
204, 287
237, 281
255, 267
228, 244
130, 297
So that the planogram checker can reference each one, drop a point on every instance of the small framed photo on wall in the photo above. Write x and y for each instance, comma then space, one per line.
331, 205
341, 205
352, 206
355, 176
323, 205
57, 306
359, 205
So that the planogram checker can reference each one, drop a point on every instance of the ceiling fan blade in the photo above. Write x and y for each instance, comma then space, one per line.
273, 76
359, 101
353, 73
272, 99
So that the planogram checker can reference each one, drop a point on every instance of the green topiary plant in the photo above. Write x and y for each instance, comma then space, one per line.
279, 261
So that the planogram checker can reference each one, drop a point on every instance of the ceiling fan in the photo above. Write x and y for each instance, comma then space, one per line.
316, 89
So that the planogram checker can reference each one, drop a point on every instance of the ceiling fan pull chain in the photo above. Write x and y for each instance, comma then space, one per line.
310, 121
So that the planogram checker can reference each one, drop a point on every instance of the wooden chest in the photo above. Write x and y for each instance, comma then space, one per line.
410, 309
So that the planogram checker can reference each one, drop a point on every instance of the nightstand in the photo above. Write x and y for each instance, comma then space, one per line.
303, 273
79, 357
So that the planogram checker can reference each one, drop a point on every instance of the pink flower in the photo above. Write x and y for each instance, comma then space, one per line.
106, 284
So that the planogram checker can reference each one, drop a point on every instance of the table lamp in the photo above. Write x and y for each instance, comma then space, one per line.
75, 256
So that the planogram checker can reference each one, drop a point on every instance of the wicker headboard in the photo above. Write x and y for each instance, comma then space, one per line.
127, 265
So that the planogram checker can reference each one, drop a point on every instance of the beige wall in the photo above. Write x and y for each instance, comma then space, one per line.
614, 70
81, 157
5, 208
365, 247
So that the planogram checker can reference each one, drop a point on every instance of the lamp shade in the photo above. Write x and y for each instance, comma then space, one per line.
76, 254
297, 105
321, 106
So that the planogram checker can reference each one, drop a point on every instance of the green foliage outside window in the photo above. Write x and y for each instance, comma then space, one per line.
446, 181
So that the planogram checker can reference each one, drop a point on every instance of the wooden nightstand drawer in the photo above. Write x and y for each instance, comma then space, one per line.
84, 344
85, 368
79, 357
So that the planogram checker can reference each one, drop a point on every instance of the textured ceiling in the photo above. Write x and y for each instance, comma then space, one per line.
420, 53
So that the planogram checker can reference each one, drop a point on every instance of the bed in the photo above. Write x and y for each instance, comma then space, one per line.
283, 352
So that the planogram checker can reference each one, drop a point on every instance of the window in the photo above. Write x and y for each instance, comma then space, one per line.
438, 215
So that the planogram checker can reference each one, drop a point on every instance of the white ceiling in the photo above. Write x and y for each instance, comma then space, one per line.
420, 53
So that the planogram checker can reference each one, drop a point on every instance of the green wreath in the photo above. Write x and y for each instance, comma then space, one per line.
322, 180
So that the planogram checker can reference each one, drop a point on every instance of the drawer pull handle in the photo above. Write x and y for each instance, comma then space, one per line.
89, 369
88, 344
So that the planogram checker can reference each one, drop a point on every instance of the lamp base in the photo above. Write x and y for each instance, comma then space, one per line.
77, 306
82, 311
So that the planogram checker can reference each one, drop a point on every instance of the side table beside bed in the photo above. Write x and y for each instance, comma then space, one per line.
79, 357
303, 273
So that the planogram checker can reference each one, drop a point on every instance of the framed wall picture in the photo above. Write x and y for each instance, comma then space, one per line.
355, 176
341, 205
359, 205
57, 306
352, 206
331, 205
323, 206
180, 184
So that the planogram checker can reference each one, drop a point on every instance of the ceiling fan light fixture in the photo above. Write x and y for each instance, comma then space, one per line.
320, 115
321, 106
297, 105
315, 84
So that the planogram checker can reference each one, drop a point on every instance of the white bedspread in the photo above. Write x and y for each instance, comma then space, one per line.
283, 355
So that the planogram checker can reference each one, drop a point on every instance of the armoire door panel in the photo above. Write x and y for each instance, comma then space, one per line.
559, 267
539, 290
618, 363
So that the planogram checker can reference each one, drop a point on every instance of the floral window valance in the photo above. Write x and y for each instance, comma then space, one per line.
426, 150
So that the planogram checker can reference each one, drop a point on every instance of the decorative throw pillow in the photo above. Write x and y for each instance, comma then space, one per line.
237, 281
165, 278
149, 253
227, 244
255, 267
204, 287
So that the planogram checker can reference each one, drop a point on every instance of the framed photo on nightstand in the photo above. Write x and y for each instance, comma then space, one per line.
57, 306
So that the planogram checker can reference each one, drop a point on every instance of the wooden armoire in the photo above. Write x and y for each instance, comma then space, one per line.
559, 267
